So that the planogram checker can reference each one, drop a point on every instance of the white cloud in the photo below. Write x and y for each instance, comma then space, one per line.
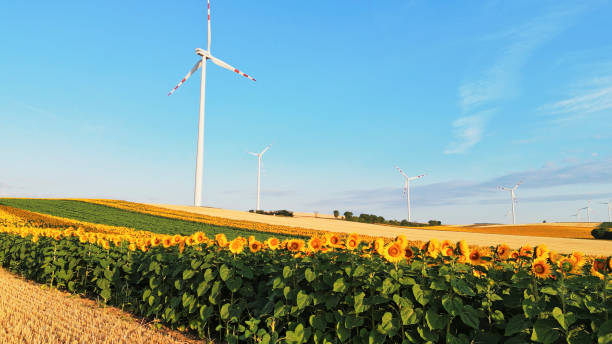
586, 102
467, 131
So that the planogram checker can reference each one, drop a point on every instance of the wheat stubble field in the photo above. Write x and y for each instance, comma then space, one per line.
30, 313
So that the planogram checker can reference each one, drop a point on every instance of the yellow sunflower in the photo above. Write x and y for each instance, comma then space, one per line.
379, 245
599, 267
295, 245
402, 240
503, 251
541, 251
393, 252
408, 253
463, 247
273, 243
236, 246
526, 251
221, 240
474, 257
567, 265
352, 243
315, 244
255, 246
132, 247
334, 241
540, 268
167, 242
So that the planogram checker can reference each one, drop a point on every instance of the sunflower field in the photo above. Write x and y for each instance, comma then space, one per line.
327, 289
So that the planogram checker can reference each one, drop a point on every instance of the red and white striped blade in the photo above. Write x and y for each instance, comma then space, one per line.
208, 3
227, 66
195, 68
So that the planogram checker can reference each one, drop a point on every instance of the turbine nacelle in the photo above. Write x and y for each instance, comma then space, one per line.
202, 52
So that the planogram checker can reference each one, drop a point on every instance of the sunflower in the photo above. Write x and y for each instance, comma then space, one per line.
475, 257
199, 237
541, 268
167, 242
526, 251
132, 247
353, 236
105, 245
295, 245
189, 241
433, 248
255, 246
463, 247
273, 243
503, 251
393, 252
578, 258
236, 246
35, 238
221, 239
599, 267
334, 241
379, 245
402, 240
448, 251
567, 265
554, 256
408, 253
82, 239
352, 243
177, 239
514, 254
143, 248
541, 251
315, 244
478, 273
445, 244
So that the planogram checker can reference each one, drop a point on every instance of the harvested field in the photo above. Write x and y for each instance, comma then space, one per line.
31, 314
514, 236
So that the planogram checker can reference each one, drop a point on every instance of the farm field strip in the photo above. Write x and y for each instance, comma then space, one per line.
563, 245
111, 216
30, 314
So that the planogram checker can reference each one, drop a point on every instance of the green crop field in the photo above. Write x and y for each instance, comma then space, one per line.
101, 214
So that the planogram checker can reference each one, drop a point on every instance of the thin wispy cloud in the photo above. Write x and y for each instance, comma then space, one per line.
586, 96
461, 192
467, 132
500, 80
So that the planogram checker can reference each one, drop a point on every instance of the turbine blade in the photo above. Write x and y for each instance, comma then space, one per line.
255, 154
208, 3
265, 149
195, 68
402, 172
517, 184
228, 67
416, 177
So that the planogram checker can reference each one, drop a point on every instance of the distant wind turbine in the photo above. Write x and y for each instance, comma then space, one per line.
512, 197
205, 55
407, 180
609, 203
259, 156
588, 211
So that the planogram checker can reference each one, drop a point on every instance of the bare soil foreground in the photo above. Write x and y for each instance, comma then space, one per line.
31, 314
560, 237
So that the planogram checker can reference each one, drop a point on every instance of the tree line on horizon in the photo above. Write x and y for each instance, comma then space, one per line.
371, 218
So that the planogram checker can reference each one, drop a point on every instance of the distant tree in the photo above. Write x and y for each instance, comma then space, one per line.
404, 223
544, 221
435, 223
348, 215
336, 213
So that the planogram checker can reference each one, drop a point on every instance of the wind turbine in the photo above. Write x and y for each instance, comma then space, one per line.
407, 180
205, 55
512, 197
259, 156
588, 211
609, 203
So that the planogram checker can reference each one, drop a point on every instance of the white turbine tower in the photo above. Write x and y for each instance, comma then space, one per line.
407, 180
205, 55
513, 198
588, 211
609, 203
259, 156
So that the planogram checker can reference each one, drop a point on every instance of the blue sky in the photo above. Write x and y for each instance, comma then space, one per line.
474, 94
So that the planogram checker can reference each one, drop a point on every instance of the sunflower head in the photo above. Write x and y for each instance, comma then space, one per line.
199, 237
167, 242
334, 241
463, 247
352, 243
315, 244
567, 265
236, 246
503, 251
578, 258
402, 240
408, 253
295, 245
474, 257
599, 267
541, 251
540, 268
273, 243
255, 246
177, 239
393, 252
221, 240
105, 245
514, 254
526, 251
189, 241
554, 256
448, 251
132, 247
445, 244
379, 245
251, 238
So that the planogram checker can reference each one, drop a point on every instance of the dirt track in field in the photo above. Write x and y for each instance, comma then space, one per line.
31, 314
561, 237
